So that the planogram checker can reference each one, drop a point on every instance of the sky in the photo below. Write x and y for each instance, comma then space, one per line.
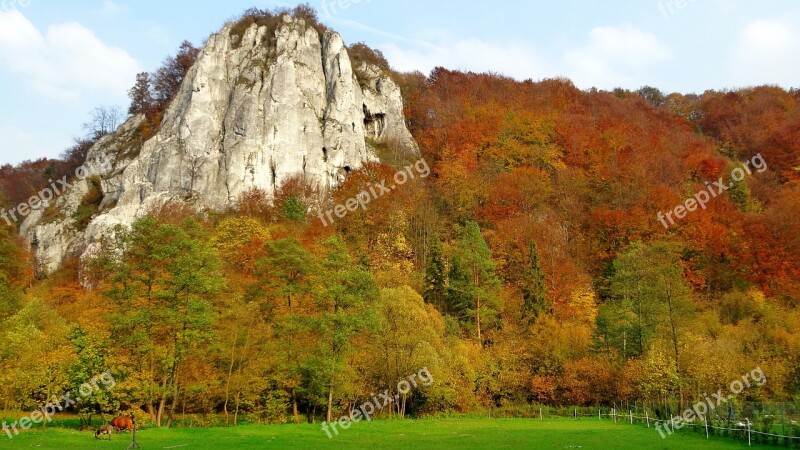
61, 59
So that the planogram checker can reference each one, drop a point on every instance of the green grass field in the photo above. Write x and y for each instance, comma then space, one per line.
460, 433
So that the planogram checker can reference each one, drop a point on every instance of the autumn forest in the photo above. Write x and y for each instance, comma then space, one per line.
529, 268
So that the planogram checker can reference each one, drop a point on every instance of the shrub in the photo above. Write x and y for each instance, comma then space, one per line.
294, 210
272, 19
52, 214
391, 153
295, 197
274, 408
167, 80
254, 203
362, 53
89, 205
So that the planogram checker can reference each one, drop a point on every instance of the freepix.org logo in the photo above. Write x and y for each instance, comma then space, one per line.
702, 197
378, 402
717, 399
374, 191
10, 5
104, 381
53, 191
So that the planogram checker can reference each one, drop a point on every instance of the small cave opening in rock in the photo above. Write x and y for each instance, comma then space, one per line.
347, 169
374, 124
324, 154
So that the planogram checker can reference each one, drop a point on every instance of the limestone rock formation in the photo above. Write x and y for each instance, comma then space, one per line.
254, 110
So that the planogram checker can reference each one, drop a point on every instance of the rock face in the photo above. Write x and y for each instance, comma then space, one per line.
253, 111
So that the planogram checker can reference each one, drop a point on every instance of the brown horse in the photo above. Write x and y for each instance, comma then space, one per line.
122, 424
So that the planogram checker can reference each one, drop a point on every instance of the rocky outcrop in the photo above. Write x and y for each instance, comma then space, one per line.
253, 111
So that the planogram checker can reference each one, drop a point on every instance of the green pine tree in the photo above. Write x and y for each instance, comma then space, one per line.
534, 291
294, 209
435, 277
473, 283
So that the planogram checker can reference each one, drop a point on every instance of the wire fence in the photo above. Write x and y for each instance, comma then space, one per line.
754, 423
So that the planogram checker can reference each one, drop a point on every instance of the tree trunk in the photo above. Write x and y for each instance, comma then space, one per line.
5, 407
295, 412
49, 391
329, 414
160, 414
675, 343
230, 374
624, 345
152, 412
236, 410
162, 402
639, 318
241, 369
174, 405
478, 321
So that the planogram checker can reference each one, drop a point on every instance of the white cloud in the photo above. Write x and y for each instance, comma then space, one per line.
767, 51
65, 62
511, 59
614, 56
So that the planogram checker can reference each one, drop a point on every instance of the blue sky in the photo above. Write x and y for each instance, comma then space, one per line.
59, 59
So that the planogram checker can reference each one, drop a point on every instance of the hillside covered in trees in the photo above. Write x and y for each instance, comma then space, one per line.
529, 267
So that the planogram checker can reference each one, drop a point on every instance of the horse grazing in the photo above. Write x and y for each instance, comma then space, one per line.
104, 429
122, 424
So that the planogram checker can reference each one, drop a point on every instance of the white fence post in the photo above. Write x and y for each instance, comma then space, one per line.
749, 442
613, 414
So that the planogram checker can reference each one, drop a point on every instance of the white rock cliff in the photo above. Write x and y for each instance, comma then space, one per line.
250, 113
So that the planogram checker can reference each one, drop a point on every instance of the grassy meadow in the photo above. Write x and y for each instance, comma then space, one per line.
458, 433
